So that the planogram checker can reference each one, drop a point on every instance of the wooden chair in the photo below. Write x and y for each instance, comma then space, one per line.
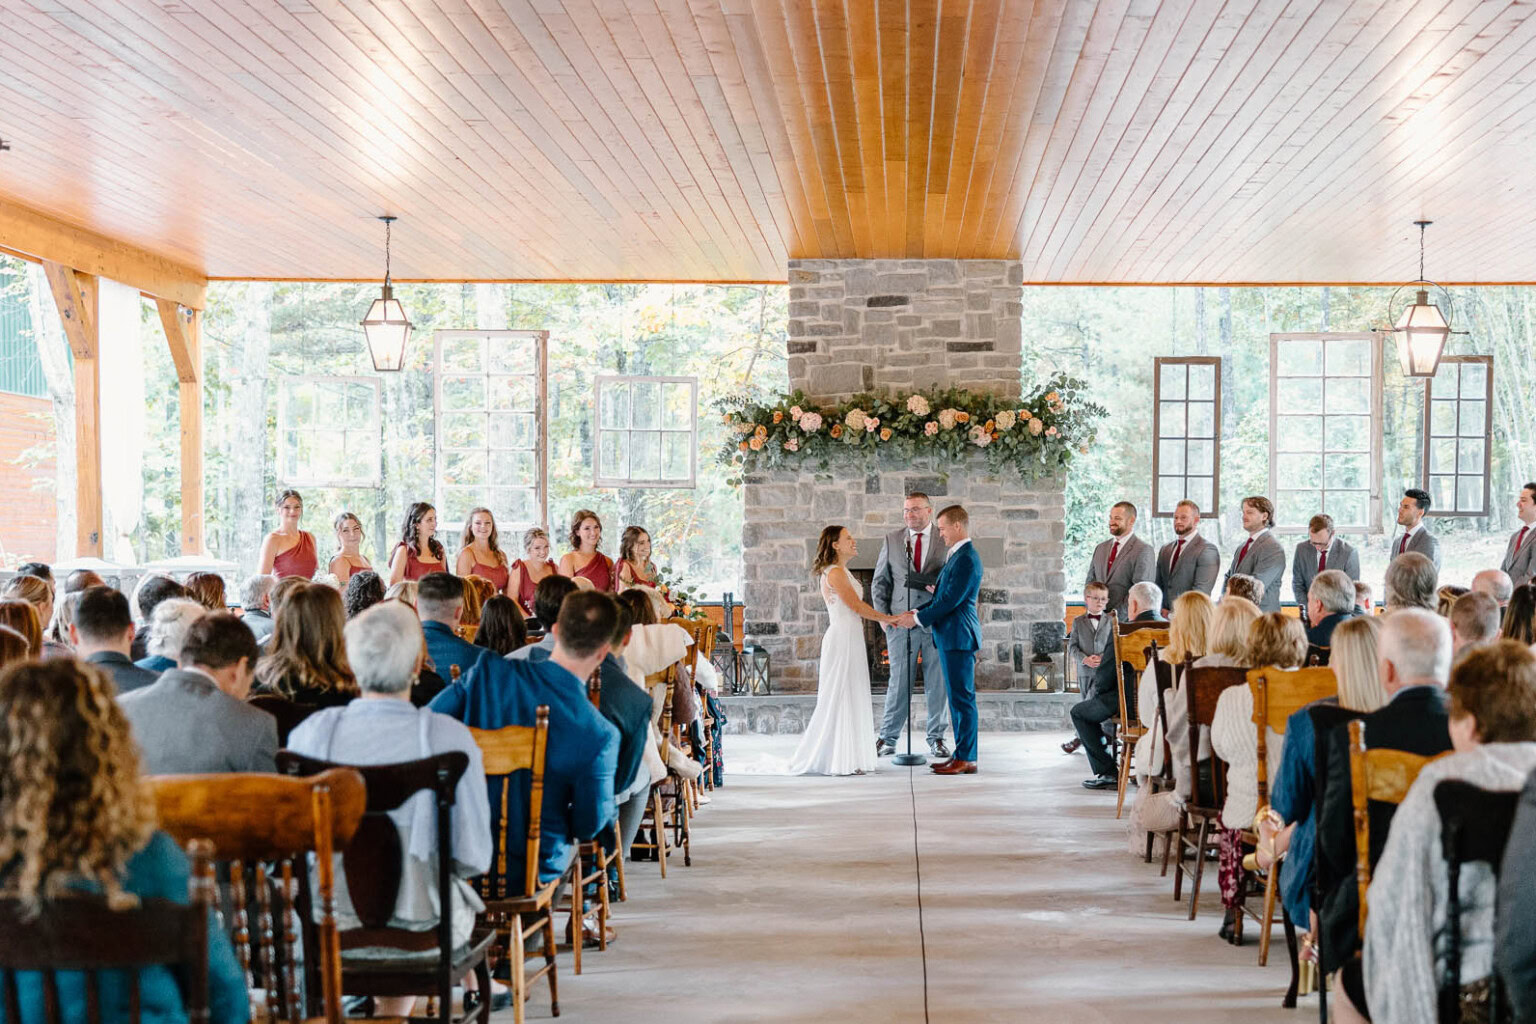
373, 866
1132, 647
1385, 776
1164, 780
518, 909
1318, 654
1278, 694
81, 933
1202, 688
590, 867
667, 814
1474, 826
261, 828
288, 713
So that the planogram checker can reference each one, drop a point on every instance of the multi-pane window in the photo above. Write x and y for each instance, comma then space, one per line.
647, 431
1325, 428
491, 425
1458, 429
328, 432
1186, 456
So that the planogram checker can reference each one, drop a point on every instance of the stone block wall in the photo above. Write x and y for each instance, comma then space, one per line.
904, 325
1018, 530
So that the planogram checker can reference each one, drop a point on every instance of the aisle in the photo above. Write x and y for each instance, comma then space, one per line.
801, 905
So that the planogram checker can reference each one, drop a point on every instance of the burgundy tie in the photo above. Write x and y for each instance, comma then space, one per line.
1178, 549
1244, 553
1520, 539
1110, 567
1322, 560
917, 554
1404, 545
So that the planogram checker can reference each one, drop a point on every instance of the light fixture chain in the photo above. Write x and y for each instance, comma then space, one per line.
387, 226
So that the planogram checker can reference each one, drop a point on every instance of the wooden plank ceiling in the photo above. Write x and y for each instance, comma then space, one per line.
1110, 141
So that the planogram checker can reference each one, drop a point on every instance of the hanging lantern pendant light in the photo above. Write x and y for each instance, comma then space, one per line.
1421, 329
386, 326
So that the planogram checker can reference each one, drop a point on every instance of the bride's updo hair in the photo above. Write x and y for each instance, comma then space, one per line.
825, 555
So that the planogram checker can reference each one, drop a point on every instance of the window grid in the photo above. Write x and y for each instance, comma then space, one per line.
647, 431
1325, 429
1458, 436
491, 404
1186, 433
330, 432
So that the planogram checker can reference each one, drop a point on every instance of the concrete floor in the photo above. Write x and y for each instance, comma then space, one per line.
802, 905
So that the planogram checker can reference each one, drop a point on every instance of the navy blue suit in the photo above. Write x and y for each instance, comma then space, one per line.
957, 634
447, 649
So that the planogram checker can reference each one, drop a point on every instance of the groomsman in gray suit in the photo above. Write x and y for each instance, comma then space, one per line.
914, 549
1122, 561
1520, 556
1415, 536
1318, 553
1261, 555
1189, 561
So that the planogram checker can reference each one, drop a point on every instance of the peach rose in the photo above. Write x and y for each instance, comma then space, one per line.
1035, 426
794, 412
837, 431
930, 428
1050, 432
778, 417
1005, 420
885, 433
962, 417
757, 444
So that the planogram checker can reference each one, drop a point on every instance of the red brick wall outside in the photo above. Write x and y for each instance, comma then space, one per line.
27, 516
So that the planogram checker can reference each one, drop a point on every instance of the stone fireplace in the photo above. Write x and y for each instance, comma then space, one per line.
898, 325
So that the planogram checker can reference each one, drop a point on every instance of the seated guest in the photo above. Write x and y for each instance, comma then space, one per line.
306, 661
13, 646
256, 606
477, 591
63, 618
1364, 598
1187, 636
364, 590
1249, 588
584, 559
1102, 703
440, 602
628, 707
1330, 600
583, 746
653, 647
194, 718
207, 589
82, 579
638, 572
381, 727
1088, 643
1321, 551
285, 586
1496, 584
1445, 597
167, 629
22, 617
404, 592
152, 589
349, 560
1493, 731
103, 635
1520, 616
1412, 582
502, 629
42, 570
1227, 635
530, 570
1474, 621
1413, 661
547, 599
480, 551
37, 592
1514, 947
1276, 641
77, 818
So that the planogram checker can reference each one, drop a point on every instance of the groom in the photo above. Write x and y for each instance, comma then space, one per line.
956, 633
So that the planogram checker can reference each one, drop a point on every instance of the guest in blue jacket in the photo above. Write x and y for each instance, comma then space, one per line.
440, 603
583, 746
93, 831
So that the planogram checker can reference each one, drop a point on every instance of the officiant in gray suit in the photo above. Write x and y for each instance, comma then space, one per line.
911, 554
1189, 561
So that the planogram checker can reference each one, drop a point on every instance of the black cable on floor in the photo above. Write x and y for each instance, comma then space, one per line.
917, 859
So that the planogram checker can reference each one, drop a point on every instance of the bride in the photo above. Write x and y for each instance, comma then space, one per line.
840, 739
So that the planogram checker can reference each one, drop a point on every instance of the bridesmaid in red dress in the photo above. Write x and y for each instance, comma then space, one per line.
585, 561
638, 572
532, 568
419, 552
349, 537
288, 550
480, 552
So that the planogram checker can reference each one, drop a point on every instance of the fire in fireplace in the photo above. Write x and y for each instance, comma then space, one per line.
874, 642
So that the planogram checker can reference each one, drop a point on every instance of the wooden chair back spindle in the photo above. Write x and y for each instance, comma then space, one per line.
1278, 694
1385, 776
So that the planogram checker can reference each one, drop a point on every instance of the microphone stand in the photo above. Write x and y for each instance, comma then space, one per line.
909, 759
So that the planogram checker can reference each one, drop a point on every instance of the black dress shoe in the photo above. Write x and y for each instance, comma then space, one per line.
939, 750
1101, 782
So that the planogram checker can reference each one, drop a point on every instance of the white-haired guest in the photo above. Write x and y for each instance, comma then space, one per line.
168, 625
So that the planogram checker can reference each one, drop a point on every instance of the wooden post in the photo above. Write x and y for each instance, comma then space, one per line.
76, 296
183, 333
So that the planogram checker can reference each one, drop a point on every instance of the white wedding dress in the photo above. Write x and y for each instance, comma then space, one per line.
840, 738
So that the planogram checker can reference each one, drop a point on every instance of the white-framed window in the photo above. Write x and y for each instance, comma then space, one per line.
1325, 433
647, 431
1458, 436
1186, 433
328, 432
492, 413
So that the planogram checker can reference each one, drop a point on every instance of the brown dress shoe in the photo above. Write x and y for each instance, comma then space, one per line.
936, 765
1070, 747
955, 768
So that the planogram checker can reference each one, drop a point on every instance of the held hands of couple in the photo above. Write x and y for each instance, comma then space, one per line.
906, 620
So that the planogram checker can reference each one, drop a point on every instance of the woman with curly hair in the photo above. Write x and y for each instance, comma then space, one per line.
418, 551
306, 661
584, 560
75, 816
364, 590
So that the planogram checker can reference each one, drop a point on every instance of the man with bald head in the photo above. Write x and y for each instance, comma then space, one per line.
1414, 662
1496, 584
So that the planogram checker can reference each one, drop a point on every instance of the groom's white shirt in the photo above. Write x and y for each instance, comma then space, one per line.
957, 546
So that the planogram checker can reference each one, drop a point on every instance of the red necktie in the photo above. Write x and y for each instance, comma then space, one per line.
917, 554
1404, 545
1244, 553
1520, 539
1110, 567
1322, 560
1178, 549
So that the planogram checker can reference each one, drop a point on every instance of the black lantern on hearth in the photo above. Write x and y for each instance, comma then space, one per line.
1044, 674
754, 670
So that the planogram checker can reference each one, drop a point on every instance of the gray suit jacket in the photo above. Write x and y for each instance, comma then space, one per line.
1521, 565
1424, 542
888, 591
1266, 563
1199, 565
1084, 641
186, 725
1341, 556
1136, 563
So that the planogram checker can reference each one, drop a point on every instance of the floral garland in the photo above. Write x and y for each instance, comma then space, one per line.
1032, 437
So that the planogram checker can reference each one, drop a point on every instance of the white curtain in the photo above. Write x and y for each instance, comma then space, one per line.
122, 418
